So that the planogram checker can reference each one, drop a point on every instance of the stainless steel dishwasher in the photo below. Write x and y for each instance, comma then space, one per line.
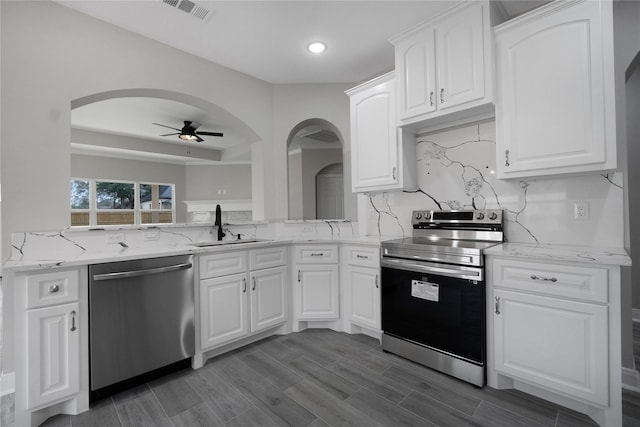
141, 321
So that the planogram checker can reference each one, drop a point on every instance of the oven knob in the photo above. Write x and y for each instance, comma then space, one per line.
480, 215
427, 215
493, 216
418, 216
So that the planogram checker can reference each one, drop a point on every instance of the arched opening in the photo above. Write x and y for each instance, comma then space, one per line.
330, 192
123, 135
314, 145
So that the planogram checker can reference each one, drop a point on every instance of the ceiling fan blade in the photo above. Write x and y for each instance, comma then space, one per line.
169, 134
165, 126
210, 133
198, 139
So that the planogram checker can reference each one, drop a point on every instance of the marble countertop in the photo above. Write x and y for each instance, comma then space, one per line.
114, 253
562, 253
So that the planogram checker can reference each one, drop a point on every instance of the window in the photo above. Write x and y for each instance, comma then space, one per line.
102, 202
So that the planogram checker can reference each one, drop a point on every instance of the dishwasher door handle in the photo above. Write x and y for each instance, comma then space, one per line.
136, 273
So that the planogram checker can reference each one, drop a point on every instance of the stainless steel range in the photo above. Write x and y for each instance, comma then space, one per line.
433, 291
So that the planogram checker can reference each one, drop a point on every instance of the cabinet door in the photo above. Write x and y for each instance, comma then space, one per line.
364, 284
54, 353
374, 148
223, 315
555, 112
317, 292
460, 58
558, 344
268, 298
416, 75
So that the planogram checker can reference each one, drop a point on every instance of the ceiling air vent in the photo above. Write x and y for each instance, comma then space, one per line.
191, 8
322, 135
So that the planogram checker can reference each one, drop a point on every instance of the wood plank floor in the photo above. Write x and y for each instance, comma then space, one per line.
323, 378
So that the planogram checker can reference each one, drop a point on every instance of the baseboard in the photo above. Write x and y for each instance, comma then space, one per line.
630, 379
7, 384
635, 314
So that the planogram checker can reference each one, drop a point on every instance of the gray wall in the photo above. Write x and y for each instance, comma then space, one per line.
204, 181
83, 166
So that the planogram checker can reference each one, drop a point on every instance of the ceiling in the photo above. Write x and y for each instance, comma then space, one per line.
264, 39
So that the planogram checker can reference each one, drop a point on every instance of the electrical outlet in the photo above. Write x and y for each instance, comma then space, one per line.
150, 235
581, 211
114, 237
307, 229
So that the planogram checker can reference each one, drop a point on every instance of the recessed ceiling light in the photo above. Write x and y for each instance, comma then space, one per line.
317, 47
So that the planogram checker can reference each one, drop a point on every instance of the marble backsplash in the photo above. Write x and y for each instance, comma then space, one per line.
456, 170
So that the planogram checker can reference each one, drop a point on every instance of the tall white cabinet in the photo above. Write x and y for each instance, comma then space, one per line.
381, 157
555, 112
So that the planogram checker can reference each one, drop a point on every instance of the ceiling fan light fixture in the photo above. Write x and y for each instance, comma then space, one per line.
187, 137
317, 47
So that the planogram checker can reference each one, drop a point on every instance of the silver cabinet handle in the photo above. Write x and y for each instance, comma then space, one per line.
316, 254
506, 158
431, 98
73, 321
362, 256
544, 279
254, 283
394, 173
244, 285
497, 305
441, 95
298, 275
53, 289
376, 282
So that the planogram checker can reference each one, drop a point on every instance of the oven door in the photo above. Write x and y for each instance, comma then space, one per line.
439, 306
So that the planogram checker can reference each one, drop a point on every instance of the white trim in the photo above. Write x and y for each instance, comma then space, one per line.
630, 379
635, 314
7, 384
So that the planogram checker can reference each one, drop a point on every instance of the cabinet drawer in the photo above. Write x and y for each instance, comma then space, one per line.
316, 254
52, 288
365, 256
570, 281
223, 264
267, 258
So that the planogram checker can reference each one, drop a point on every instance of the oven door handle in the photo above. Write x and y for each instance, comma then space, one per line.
403, 264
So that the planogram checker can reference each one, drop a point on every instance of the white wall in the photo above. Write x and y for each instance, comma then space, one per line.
83, 166
204, 181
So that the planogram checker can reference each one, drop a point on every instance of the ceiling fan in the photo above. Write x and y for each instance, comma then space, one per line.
188, 132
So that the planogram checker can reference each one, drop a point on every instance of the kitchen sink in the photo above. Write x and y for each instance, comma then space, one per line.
225, 242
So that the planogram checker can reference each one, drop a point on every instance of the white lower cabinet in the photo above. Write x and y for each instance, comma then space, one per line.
268, 298
561, 345
361, 274
223, 315
50, 321
246, 301
316, 287
554, 331
54, 353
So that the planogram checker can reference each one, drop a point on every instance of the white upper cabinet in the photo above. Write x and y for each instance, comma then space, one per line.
380, 158
555, 108
444, 67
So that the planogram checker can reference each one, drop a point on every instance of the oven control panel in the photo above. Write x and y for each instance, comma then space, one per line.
470, 217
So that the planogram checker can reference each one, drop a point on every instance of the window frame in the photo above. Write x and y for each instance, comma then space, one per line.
137, 205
